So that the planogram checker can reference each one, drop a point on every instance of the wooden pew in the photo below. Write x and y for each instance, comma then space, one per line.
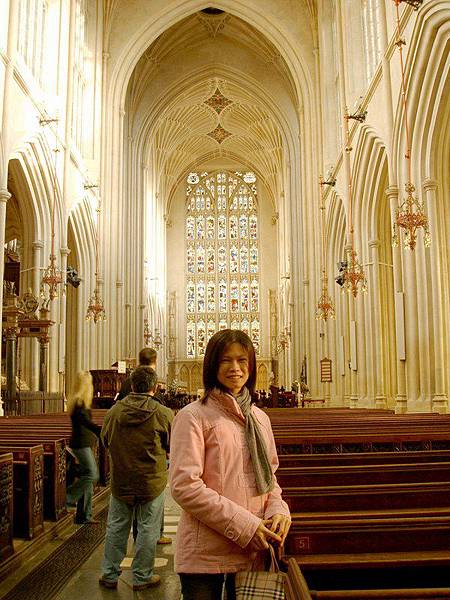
6, 505
28, 470
362, 532
370, 502
54, 466
363, 474
362, 458
296, 588
60, 422
367, 497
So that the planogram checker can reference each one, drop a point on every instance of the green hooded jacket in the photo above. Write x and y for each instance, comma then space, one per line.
136, 431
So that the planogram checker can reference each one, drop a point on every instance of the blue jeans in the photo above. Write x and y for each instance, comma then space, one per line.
117, 531
161, 531
83, 487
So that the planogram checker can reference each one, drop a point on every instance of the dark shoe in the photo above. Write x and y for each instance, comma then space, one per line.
86, 522
152, 582
164, 539
107, 583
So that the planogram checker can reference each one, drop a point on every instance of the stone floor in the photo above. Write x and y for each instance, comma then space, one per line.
84, 584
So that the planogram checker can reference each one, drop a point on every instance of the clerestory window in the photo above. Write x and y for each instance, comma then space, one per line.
372, 38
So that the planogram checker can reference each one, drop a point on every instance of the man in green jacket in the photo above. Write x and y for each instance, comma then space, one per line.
136, 431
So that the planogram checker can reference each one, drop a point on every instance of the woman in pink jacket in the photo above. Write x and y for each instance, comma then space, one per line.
222, 465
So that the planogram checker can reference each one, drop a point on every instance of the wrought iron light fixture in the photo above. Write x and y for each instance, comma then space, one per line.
96, 310
325, 307
148, 337
157, 340
410, 215
52, 275
416, 4
151, 339
353, 275
282, 341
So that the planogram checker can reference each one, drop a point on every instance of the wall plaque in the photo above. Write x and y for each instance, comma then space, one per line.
325, 370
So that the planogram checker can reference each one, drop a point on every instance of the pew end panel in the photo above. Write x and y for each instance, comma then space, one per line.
6, 506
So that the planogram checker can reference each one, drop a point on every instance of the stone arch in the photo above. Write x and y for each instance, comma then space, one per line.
184, 377
376, 337
262, 378
196, 378
336, 226
121, 63
79, 335
427, 339
32, 185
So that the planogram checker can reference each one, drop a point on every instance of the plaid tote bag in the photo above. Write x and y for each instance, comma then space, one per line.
261, 585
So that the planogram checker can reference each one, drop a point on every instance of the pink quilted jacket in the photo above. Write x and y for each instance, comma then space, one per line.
211, 478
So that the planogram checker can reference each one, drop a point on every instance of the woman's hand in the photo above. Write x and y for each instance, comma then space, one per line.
260, 540
280, 525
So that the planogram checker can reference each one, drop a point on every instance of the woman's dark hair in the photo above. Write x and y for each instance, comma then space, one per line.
214, 351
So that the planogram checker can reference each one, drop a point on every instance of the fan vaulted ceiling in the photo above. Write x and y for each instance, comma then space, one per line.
211, 86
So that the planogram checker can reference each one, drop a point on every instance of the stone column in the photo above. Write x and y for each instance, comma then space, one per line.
439, 399
43, 363
5, 127
62, 321
4, 197
400, 398
11, 368
378, 370
36, 281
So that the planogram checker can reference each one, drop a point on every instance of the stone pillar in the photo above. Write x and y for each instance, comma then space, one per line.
36, 281
378, 370
11, 368
439, 399
43, 363
62, 322
4, 197
400, 398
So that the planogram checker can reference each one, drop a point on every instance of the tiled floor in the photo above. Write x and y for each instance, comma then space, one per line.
84, 584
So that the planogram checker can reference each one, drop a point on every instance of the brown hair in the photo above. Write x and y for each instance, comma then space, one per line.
147, 356
143, 380
214, 351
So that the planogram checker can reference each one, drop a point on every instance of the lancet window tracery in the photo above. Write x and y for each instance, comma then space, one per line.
222, 257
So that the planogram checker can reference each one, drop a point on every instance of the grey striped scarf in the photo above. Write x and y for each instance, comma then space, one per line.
256, 445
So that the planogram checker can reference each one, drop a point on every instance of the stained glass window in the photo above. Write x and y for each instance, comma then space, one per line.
190, 260
200, 259
190, 297
190, 338
222, 257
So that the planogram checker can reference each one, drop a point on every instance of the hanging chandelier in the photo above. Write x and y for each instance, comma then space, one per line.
148, 337
151, 339
52, 275
353, 276
410, 216
325, 307
96, 310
